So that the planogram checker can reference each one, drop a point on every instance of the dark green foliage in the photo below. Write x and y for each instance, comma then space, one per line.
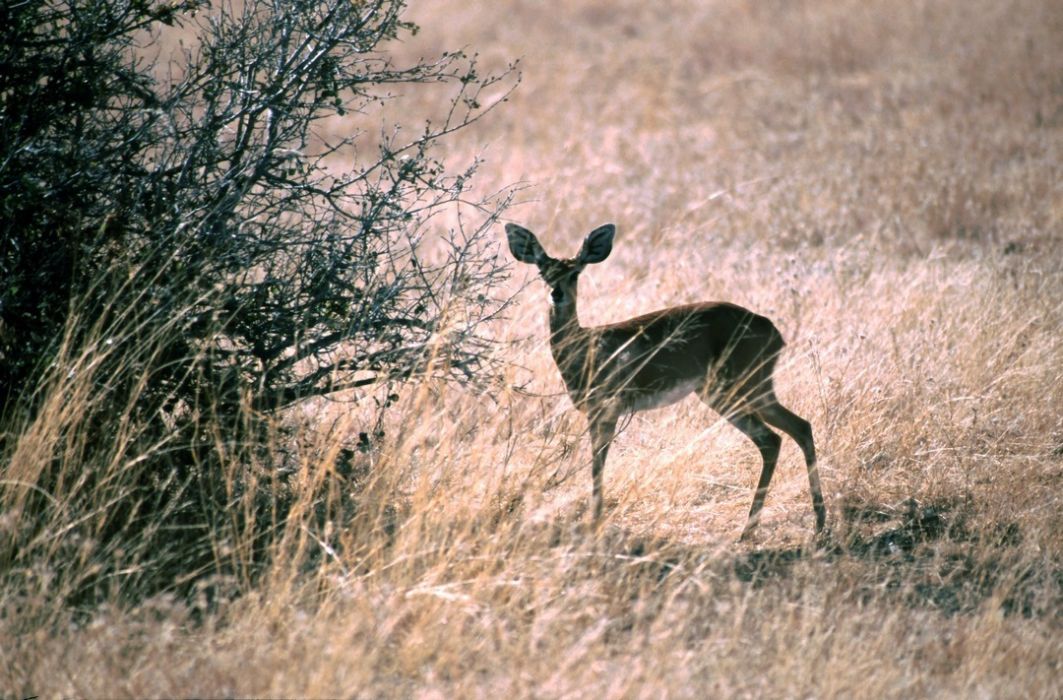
182, 225
74, 117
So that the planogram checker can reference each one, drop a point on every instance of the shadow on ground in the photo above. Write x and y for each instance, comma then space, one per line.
922, 555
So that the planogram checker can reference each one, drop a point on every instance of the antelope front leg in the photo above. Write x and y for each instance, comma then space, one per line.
602, 431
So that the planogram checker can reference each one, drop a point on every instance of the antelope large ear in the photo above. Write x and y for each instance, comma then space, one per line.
524, 245
598, 244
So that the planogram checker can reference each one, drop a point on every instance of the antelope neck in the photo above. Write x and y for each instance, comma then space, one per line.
564, 319
569, 343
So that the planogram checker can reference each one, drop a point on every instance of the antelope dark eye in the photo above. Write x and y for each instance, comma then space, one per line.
556, 294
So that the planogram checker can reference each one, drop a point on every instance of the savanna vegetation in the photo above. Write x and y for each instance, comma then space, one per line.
242, 457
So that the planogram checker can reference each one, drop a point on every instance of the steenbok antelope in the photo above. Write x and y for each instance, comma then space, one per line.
723, 353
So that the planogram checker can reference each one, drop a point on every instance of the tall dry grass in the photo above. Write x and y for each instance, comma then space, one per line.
883, 180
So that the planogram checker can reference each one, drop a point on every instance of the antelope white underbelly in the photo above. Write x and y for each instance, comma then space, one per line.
665, 397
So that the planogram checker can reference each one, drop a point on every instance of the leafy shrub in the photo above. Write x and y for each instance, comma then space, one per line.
185, 251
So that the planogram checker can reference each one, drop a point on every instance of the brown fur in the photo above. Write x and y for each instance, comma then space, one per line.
722, 352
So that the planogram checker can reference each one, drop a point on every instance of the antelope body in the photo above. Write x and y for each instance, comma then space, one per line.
722, 352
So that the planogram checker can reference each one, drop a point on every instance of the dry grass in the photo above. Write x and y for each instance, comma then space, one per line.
882, 179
